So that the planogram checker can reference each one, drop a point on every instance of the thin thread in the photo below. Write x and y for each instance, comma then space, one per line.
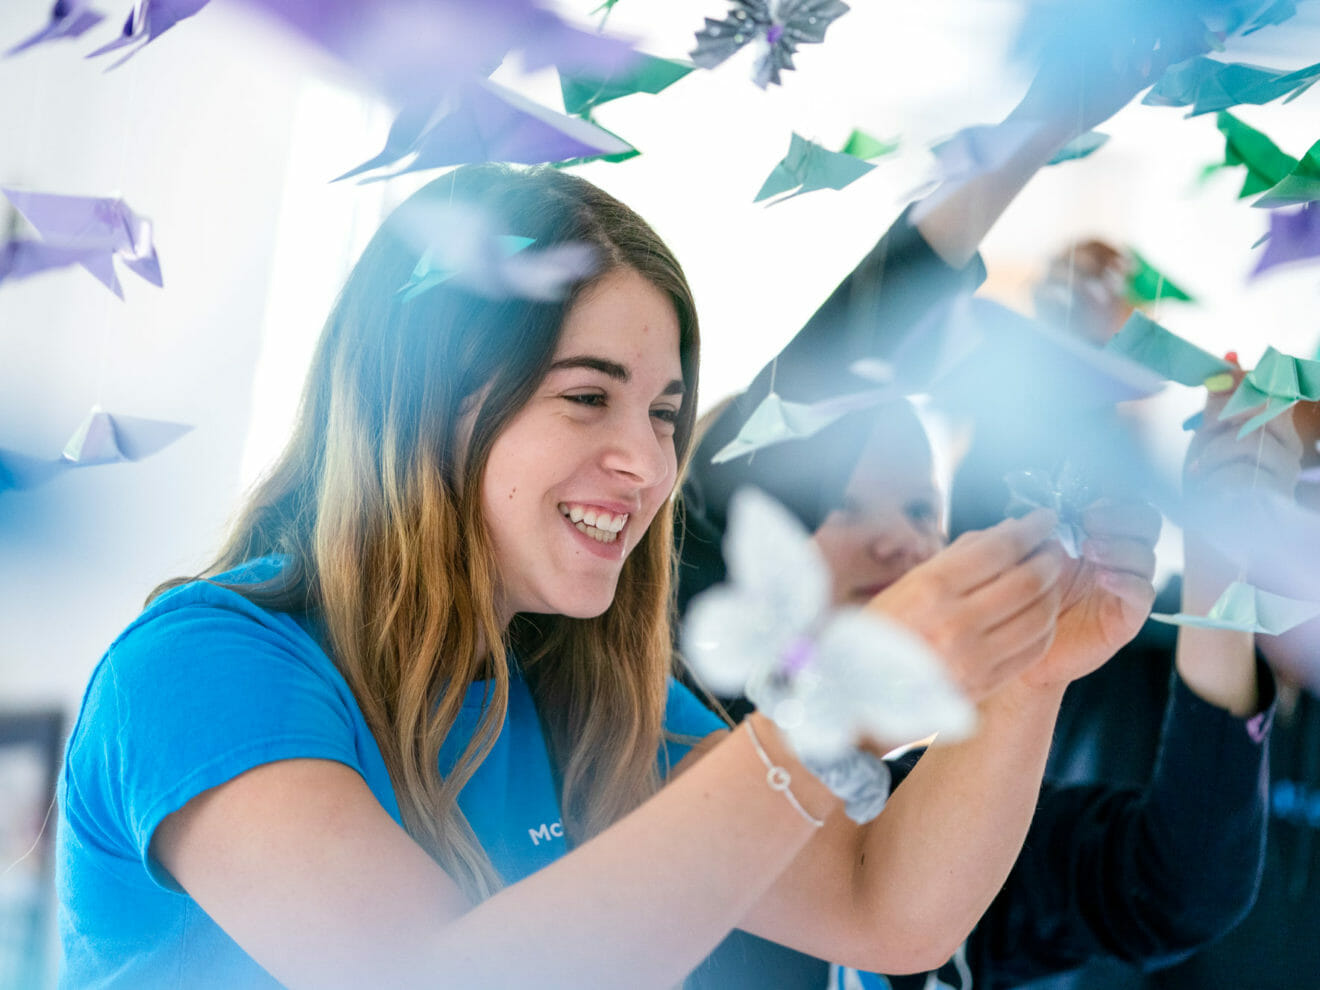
41, 832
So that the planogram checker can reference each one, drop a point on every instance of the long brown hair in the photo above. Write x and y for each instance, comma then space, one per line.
375, 505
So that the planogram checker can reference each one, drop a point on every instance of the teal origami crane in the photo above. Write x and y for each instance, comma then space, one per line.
1164, 352
1147, 284
809, 166
776, 420
1301, 185
1277, 383
1244, 608
1208, 85
644, 74
1082, 146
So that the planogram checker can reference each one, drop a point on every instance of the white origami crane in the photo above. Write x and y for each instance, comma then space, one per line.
1245, 608
776, 420
826, 677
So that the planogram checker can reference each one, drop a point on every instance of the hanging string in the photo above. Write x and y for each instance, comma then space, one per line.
41, 833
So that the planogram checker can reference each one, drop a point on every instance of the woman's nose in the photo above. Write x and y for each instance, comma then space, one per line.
640, 453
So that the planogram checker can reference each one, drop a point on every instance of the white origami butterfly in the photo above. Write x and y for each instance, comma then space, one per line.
825, 676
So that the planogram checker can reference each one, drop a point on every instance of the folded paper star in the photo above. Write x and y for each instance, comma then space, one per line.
461, 245
147, 21
101, 438
86, 230
776, 27
1266, 165
808, 167
1165, 353
827, 677
1244, 608
1277, 383
647, 74
68, 19
1147, 284
1301, 185
1294, 236
1208, 85
486, 122
776, 420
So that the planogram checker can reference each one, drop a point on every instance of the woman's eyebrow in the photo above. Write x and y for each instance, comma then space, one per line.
613, 369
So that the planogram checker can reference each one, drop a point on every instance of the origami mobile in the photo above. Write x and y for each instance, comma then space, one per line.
808, 167
83, 229
1266, 165
101, 438
1244, 608
1147, 284
1165, 353
826, 677
1301, 185
776, 26
1277, 383
68, 19
775, 420
1294, 236
866, 147
485, 122
147, 21
1082, 146
1208, 85
462, 247
1067, 496
647, 74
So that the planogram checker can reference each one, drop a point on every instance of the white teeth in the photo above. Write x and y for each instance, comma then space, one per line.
596, 523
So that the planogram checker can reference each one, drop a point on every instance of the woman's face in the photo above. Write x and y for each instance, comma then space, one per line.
889, 519
579, 473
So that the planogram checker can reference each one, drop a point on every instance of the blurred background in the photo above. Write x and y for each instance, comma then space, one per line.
226, 134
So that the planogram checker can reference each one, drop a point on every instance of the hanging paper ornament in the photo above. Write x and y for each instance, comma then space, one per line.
776, 27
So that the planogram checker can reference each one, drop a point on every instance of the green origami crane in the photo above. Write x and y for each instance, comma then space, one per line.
776, 420
1278, 383
1266, 165
1207, 85
809, 166
1165, 353
867, 147
1147, 284
1301, 185
644, 74
1244, 608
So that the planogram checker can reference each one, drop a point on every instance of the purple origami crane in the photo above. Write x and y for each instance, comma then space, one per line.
100, 439
147, 21
485, 122
68, 19
1294, 236
414, 51
83, 230
776, 27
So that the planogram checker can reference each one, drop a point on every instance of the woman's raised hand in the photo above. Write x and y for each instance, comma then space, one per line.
987, 603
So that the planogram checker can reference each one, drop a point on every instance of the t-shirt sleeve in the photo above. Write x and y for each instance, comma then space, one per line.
190, 696
687, 720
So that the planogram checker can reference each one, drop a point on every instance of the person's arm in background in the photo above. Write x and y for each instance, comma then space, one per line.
1149, 876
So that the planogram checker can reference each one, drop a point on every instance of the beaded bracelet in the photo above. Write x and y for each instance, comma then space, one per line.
779, 778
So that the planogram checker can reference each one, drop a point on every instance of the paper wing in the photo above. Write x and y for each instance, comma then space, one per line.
1165, 353
777, 420
1244, 608
70, 19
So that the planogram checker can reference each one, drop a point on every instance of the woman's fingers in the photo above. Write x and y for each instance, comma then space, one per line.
978, 558
1112, 519
1129, 556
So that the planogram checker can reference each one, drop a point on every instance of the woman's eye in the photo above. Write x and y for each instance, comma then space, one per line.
666, 415
587, 399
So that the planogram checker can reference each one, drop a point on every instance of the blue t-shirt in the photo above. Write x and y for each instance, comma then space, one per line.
203, 686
